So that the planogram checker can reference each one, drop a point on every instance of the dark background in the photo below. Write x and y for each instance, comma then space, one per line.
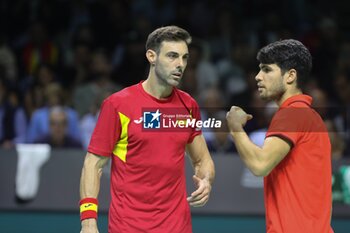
65, 35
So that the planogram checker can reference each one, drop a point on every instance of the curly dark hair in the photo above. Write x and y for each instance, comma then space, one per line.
288, 54
168, 33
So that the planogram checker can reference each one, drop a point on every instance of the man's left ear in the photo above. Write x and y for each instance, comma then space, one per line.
292, 76
151, 56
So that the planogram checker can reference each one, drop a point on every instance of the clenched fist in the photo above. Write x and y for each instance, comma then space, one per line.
237, 118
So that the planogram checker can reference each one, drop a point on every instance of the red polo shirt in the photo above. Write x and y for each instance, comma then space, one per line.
148, 183
298, 190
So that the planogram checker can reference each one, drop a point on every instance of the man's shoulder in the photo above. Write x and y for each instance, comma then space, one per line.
123, 99
185, 96
124, 94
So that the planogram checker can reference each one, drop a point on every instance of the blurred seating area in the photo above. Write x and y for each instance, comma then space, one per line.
70, 54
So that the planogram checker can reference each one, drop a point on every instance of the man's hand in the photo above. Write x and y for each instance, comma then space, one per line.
89, 226
237, 118
200, 196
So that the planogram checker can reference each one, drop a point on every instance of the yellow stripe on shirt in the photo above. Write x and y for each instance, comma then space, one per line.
121, 148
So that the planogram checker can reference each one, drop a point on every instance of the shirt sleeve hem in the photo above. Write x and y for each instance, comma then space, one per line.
190, 140
99, 152
283, 137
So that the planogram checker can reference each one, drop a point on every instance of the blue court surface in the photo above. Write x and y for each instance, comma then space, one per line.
67, 222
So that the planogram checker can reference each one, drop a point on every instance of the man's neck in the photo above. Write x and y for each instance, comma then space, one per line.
288, 94
155, 88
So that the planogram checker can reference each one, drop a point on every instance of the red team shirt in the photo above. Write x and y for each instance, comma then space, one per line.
298, 190
148, 189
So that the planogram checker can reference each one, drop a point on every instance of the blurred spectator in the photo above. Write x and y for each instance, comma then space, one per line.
132, 67
39, 123
223, 28
200, 73
205, 72
130, 47
211, 102
100, 72
320, 101
36, 35
221, 141
246, 97
189, 82
76, 71
8, 61
343, 62
341, 83
38, 49
13, 121
322, 105
262, 112
337, 141
34, 87
88, 121
324, 47
57, 137
232, 70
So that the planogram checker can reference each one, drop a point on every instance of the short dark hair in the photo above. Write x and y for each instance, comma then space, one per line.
288, 54
168, 33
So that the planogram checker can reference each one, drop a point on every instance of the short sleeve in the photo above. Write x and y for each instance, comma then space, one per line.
107, 130
196, 115
287, 124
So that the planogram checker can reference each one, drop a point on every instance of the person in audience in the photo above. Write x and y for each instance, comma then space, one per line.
13, 120
39, 122
57, 137
221, 142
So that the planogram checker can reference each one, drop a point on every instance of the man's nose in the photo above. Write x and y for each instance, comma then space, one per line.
258, 77
181, 63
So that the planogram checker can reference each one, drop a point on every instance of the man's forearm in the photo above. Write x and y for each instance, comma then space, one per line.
260, 161
91, 175
205, 169
89, 183
248, 151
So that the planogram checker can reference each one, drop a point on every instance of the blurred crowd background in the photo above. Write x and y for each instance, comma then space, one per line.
60, 58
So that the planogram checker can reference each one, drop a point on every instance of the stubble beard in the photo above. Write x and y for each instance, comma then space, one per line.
278, 93
166, 80
275, 94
